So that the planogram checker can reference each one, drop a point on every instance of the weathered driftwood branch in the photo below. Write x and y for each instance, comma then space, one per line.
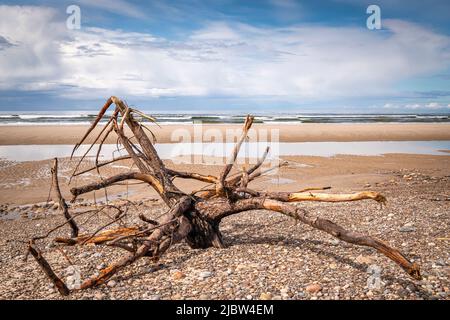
194, 218
149, 178
158, 242
99, 165
224, 209
220, 187
323, 197
100, 238
62, 203
59, 284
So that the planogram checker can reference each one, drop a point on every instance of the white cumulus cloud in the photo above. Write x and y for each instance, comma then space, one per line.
298, 62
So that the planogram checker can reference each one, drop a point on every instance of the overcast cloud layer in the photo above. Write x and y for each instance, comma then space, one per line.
300, 62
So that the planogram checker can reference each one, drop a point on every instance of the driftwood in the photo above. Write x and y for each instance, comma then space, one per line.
194, 218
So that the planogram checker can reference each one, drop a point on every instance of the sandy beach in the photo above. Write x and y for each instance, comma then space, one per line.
22, 135
267, 255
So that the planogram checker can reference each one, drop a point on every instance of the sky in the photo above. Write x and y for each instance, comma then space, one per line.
265, 56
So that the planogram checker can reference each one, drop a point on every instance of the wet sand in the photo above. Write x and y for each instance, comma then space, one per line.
29, 181
26, 135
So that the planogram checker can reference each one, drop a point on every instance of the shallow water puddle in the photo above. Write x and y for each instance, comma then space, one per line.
193, 152
14, 215
279, 181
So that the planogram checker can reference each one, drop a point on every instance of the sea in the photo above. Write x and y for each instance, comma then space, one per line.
85, 118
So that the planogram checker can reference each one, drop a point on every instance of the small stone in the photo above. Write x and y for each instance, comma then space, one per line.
441, 263
101, 266
249, 297
98, 296
265, 296
241, 266
284, 290
112, 283
177, 275
205, 274
364, 259
50, 245
407, 228
334, 242
313, 288
154, 297
70, 270
83, 255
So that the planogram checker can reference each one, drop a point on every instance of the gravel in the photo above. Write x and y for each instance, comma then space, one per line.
268, 256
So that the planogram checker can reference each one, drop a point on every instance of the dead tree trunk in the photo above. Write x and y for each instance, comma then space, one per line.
194, 217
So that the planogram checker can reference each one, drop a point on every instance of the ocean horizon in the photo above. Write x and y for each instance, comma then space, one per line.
86, 117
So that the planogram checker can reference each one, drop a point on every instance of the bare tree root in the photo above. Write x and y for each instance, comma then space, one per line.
194, 218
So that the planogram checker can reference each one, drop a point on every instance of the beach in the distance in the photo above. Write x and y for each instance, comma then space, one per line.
302, 132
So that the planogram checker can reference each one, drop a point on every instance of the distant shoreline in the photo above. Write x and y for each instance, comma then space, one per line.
60, 134
85, 118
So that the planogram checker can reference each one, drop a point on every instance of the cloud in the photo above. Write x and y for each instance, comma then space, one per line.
417, 106
300, 62
4, 43
30, 58
434, 106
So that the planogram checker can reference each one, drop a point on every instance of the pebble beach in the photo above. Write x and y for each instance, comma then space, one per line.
267, 255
